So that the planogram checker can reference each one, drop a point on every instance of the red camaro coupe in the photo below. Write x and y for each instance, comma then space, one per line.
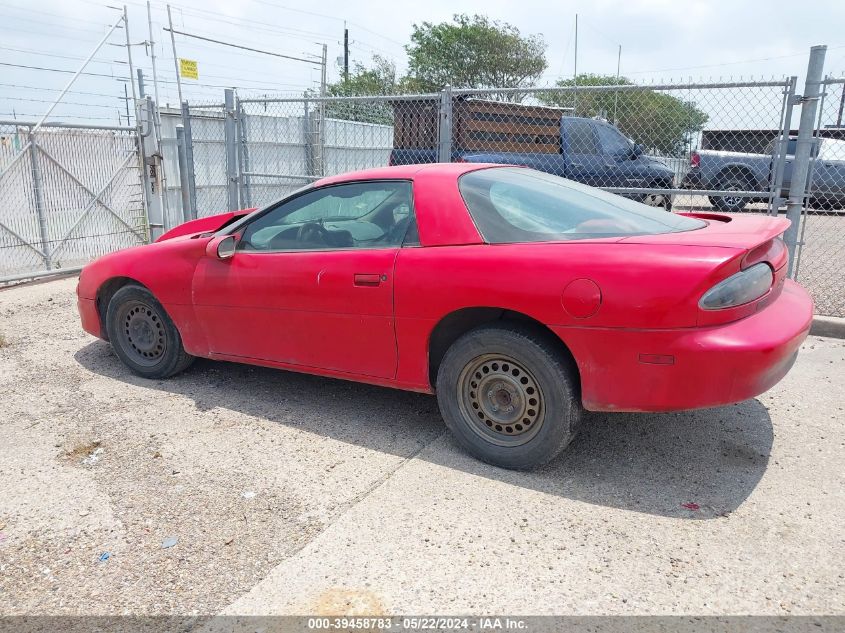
520, 298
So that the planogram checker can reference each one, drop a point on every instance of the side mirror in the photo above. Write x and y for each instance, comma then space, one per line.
637, 150
221, 247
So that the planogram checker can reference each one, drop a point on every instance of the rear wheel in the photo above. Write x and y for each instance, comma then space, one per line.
509, 396
142, 334
728, 202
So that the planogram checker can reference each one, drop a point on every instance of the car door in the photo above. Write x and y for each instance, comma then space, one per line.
829, 173
582, 152
618, 167
311, 282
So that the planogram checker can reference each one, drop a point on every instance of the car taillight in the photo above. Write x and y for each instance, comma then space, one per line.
695, 159
743, 287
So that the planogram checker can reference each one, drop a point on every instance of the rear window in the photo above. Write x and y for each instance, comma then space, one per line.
523, 205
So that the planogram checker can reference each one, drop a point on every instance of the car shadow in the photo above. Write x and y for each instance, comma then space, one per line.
692, 465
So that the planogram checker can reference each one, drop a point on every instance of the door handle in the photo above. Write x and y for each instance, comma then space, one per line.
369, 279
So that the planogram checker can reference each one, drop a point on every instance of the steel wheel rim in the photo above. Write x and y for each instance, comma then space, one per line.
733, 201
141, 333
501, 400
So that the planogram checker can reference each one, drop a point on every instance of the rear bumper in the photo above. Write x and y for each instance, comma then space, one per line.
670, 370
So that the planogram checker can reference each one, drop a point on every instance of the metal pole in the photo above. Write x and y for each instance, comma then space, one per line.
321, 138
184, 188
575, 71
243, 158
141, 92
129, 58
231, 150
616, 92
126, 103
841, 107
76, 75
779, 165
38, 186
444, 128
346, 54
175, 58
155, 74
189, 157
803, 150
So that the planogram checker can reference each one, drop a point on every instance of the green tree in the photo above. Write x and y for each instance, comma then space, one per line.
378, 79
662, 122
473, 52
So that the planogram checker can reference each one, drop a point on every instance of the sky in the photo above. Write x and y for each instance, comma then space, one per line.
42, 42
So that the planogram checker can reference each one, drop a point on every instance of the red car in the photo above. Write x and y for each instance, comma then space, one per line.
520, 298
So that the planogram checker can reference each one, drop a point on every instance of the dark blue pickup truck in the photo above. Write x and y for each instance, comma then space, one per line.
589, 151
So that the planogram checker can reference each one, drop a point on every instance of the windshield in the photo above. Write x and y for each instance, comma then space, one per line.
523, 205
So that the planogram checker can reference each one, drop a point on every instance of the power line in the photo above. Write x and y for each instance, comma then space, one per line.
58, 116
64, 17
70, 57
744, 61
87, 105
59, 70
246, 48
76, 92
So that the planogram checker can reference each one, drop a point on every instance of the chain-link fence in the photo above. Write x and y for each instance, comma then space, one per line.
68, 193
684, 147
821, 262
680, 146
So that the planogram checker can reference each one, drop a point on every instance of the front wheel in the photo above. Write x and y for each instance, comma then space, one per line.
509, 396
142, 334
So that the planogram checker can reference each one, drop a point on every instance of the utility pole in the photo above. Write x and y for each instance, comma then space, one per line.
175, 58
129, 57
126, 101
346, 53
157, 116
323, 71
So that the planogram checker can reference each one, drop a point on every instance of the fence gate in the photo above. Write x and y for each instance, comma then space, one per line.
68, 194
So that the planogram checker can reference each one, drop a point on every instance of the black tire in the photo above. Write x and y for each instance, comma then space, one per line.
143, 336
660, 201
526, 372
735, 182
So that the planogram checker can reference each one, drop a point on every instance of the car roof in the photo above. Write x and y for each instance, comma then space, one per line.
406, 172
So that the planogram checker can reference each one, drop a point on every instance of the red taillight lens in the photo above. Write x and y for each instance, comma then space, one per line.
695, 160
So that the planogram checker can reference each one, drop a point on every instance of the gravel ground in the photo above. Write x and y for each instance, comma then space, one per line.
296, 494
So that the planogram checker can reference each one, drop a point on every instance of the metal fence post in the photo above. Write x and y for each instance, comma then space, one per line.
189, 160
444, 126
803, 150
779, 162
230, 139
38, 186
243, 156
184, 187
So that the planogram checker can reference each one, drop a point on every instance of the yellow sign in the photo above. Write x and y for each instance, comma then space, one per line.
188, 69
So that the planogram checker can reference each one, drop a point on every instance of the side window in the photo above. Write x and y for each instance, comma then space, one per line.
612, 141
581, 138
354, 215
